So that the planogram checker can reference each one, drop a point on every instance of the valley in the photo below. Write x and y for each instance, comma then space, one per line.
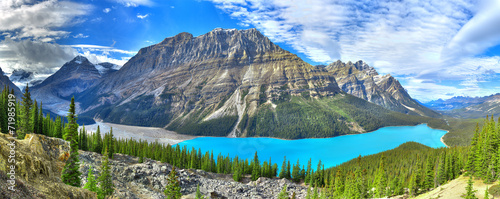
229, 106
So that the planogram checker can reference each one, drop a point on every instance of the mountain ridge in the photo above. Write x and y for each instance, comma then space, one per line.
363, 81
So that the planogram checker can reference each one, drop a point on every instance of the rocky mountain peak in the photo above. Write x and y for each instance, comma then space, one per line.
359, 66
363, 81
21, 75
177, 39
80, 60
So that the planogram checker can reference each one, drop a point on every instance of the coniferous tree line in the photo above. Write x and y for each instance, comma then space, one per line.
28, 117
412, 167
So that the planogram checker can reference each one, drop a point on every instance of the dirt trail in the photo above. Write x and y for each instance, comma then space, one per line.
456, 188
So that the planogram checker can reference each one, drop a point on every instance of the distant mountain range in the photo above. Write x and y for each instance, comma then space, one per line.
232, 83
467, 107
5, 81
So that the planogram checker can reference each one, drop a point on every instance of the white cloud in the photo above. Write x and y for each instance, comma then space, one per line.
142, 16
98, 54
106, 10
404, 38
80, 35
135, 3
39, 20
46, 58
478, 34
87, 47
35, 56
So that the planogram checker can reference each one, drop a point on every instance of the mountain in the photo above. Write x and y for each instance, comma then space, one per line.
231, 83
5, 81
71, 79
363, 81
456, 102
106, 68
469, 107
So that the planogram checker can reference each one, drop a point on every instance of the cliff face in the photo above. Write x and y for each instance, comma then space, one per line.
363, 81
221, 73
39, 162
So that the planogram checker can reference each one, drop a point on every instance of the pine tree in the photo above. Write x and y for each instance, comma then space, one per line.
470, 190
173, 189
71, 130
441, 175
34, 118
198, 193
380, 179
256, 167
97, 140
40, 121
91, 184
412, 186
429, 175
71, 173
237, 174
288, 173
106, 186
283, 194
26, 124
308, 172
315, 192
283, 169
58, 128
296, 172
473, 148
339, 183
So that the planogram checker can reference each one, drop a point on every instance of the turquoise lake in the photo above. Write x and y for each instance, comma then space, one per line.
331, 151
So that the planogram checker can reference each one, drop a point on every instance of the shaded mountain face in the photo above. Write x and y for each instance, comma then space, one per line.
468, 107
363, 81
224, 73
71, 79
5, 81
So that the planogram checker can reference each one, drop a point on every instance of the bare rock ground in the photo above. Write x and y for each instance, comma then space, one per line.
138, 132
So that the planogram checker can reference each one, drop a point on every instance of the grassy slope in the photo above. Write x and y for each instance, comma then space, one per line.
456, 188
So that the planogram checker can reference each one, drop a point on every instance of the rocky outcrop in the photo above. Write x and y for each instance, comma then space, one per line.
363, 81
39, 161
148, 180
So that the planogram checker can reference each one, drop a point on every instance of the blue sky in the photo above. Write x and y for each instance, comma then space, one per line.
435, 48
